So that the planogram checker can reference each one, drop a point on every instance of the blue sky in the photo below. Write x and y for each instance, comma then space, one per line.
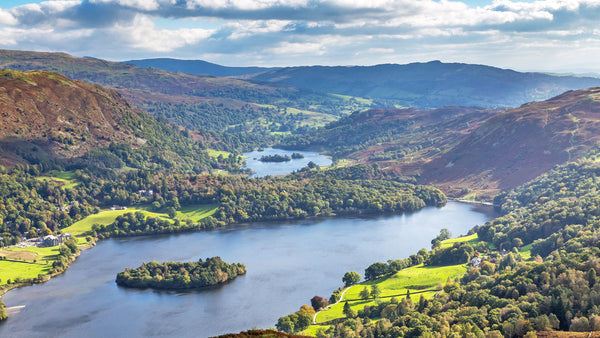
545, 35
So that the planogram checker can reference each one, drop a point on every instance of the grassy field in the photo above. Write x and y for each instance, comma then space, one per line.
106, 217
356, 98
215, 153
341, 163
26, 268
64, 178
415, 279
525, 252
196, 213
28, 262
471, 239
313, 330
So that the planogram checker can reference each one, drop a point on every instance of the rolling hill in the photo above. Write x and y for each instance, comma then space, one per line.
198, 67
429, 85
389, 136
47, 118
467, 152
519, 145
197, 101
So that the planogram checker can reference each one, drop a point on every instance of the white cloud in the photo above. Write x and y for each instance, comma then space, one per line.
144, 5
6, 18
245, 4
295, 48
144, 34
246, 28
308, 31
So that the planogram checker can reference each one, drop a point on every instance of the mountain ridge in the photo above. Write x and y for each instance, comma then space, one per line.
197, 67
222, 96
520, 144
431, 84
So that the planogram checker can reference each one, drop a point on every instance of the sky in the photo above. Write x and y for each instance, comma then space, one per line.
547, 35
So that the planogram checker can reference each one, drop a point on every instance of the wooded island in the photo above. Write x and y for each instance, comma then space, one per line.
177, 276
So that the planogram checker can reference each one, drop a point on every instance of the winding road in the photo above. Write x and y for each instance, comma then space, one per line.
330, 305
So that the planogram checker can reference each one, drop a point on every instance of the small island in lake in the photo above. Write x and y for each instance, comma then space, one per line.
297, 155
177, 276
275, 158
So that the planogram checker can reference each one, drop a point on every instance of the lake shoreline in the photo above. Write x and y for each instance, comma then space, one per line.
6, 288
314, 227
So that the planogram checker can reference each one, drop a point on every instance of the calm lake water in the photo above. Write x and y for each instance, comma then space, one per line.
282, 168
288, 263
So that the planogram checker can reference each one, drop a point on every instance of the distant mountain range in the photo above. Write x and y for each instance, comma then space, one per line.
464, 150
197, 101
421, 85
430, 85
197, 67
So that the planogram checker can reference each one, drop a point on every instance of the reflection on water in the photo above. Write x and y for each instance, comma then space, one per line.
288, 263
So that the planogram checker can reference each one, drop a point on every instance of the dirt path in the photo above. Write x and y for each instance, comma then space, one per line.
330, 305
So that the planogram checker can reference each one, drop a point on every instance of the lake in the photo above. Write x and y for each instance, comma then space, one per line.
288, 263
262, 169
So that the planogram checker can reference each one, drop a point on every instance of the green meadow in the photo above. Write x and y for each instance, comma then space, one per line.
216, 153
106, 217
27, 262
32, 261
471, 239
415, 279
64, 178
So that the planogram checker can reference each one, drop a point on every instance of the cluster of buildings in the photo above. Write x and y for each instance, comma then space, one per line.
146, 193
46, 241
477, 260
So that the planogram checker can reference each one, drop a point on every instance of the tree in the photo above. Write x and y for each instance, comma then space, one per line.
285, 324
318, 302
348, 311
303, 321
364, 294
335, 297
591, 277
375, 270
351, 277
375, 291
171, 212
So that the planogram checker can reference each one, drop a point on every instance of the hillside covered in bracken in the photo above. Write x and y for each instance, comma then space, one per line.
519, 145
50, 119
389, 136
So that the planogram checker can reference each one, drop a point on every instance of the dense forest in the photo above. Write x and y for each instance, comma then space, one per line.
506, 295
32, 206
177, 276
270, 199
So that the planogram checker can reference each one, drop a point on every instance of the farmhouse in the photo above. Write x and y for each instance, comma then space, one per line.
51, 240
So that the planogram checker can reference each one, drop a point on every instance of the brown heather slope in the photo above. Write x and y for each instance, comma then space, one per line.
393, 136
62, 116
192, 101
519, 145
46, 117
